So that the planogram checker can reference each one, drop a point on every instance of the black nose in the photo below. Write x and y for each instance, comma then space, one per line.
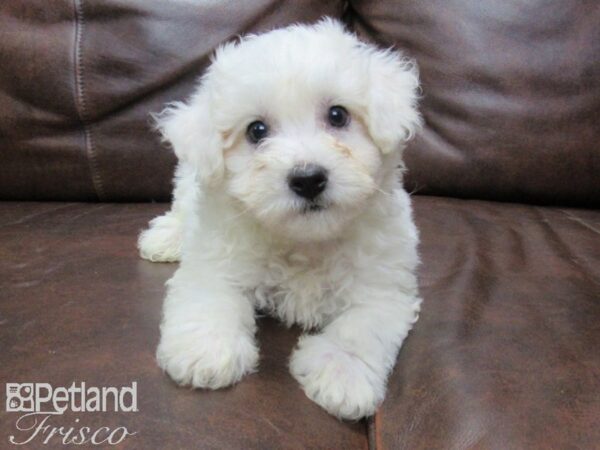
308, 181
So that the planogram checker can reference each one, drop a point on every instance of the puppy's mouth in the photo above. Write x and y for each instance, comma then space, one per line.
313, 207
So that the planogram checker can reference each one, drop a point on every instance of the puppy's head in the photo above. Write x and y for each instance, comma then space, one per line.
296, 125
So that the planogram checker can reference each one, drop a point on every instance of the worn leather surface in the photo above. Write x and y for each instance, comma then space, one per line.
511, 95
505, 354
79, 78
506, 351
77, 304
511, 91
42, 145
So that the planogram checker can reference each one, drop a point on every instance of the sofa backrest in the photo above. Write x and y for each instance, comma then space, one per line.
79, 78
511, 91
511, 95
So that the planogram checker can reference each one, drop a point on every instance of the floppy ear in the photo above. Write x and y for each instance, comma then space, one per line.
189, 129
393, 118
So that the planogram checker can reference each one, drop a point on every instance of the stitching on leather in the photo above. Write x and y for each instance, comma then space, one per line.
81, 104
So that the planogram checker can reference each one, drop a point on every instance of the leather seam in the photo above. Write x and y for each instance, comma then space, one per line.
80, 101
374, 430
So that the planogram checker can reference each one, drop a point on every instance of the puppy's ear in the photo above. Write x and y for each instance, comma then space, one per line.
189, 129
393, 117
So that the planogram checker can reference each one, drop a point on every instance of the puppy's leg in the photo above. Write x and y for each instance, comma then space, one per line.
344, 369
207, 331
162, 241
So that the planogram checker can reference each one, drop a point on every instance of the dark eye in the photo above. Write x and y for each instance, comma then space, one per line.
257, 131
338, 116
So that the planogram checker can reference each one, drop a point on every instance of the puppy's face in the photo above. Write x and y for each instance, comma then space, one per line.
303, 166
295, 125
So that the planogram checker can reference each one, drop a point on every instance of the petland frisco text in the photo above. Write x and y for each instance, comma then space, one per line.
43, 404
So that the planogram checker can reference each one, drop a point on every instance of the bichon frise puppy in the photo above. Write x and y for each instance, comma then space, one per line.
288, 198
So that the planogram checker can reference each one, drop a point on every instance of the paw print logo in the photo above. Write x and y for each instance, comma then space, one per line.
19, 397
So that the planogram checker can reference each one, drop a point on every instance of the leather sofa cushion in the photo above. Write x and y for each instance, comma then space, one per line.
80, 78
505, 354
77, 303
511, 95
511, 92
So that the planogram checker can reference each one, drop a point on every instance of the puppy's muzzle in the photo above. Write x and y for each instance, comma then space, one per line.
308, 181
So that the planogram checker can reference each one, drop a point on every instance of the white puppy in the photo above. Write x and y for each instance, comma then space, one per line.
288, 198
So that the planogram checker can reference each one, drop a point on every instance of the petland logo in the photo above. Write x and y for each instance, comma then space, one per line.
41, 402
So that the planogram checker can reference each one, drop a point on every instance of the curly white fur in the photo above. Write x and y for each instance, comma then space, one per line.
247, 241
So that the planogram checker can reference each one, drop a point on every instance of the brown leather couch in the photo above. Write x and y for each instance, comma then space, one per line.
506, 177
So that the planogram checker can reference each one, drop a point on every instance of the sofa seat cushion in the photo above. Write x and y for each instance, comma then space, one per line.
506, 350
77, 304
505, 354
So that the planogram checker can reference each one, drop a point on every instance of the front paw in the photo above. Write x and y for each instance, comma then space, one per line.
206, 359
162, 241
336, 379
